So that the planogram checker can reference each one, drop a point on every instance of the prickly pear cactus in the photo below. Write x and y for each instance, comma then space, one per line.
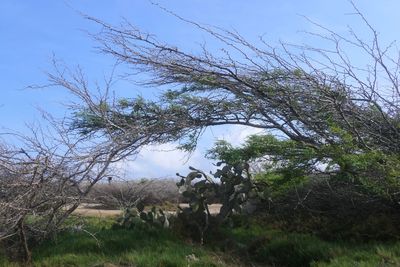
154, 217
137, 215
230, 184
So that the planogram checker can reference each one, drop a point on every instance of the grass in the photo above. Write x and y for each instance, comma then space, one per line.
274, 247
249, 242
135, 247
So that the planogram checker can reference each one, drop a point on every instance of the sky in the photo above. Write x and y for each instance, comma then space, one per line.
33, 32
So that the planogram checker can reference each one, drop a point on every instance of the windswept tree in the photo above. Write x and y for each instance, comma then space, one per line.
339, 113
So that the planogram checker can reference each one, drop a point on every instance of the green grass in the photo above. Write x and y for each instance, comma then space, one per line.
251, 242
278, 248
137, 247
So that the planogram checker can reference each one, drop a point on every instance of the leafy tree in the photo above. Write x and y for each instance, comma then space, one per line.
278, 164
285, 163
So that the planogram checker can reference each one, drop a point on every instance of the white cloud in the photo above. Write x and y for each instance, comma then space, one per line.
236, 135
164, 161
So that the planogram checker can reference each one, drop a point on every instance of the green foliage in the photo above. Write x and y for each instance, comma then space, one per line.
283, 155
285, 163
288, 163
377, 172
86, 122
276, 184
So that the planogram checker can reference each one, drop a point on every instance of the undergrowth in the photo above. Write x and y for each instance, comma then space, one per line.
246, 242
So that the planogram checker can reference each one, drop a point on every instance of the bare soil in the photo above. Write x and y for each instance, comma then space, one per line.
91, 210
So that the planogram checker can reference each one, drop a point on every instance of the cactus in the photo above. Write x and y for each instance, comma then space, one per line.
231, 184
137, 215
154, 217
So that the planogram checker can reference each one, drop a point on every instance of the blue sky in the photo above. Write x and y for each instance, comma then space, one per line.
31, 32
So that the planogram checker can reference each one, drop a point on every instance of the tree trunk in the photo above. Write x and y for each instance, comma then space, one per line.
24, 244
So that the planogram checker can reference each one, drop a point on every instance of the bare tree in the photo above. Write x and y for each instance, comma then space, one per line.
126, 194
44, 177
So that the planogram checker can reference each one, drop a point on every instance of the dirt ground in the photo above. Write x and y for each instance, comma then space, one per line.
90, 210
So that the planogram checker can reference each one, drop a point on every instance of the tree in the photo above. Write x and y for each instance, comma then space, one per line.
44, 177
316, 97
